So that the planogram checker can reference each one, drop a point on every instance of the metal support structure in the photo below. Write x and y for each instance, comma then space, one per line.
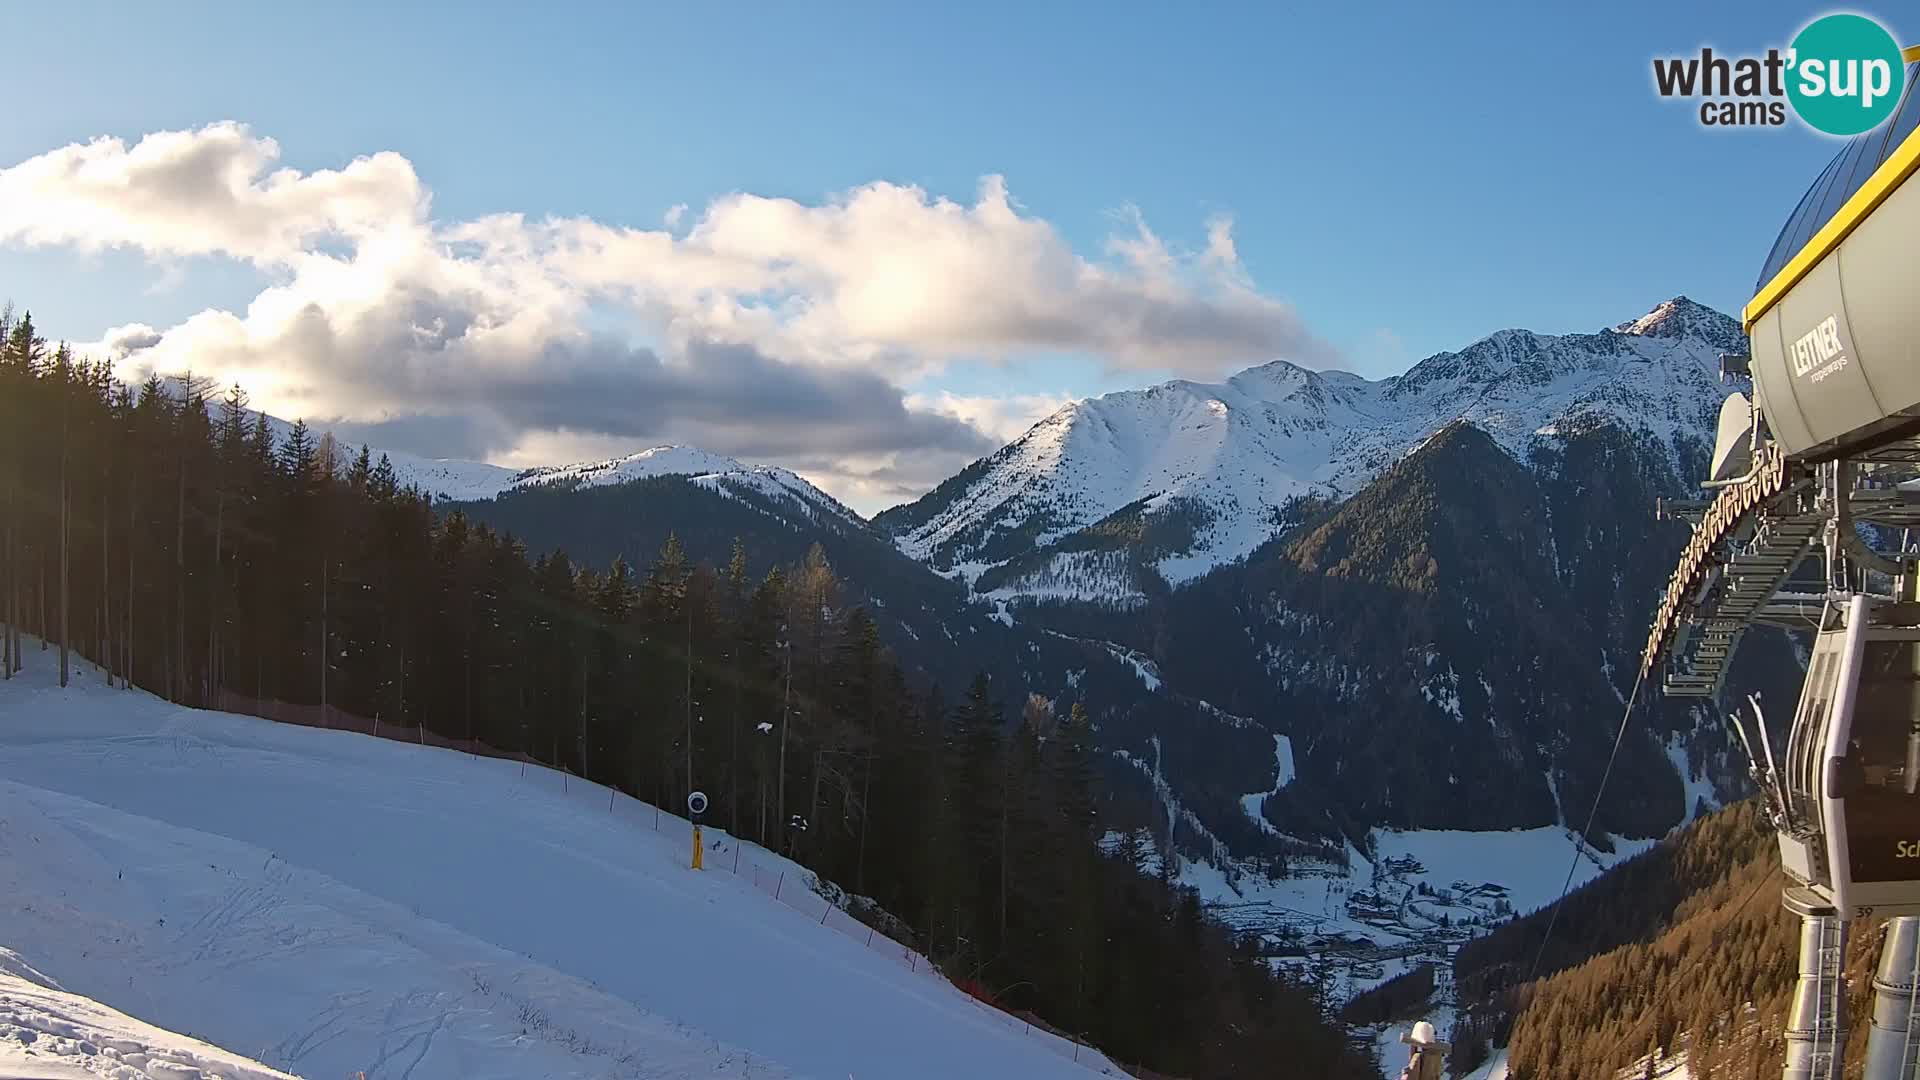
1825, 458
1893, 1042
1845, 540
1817, 1024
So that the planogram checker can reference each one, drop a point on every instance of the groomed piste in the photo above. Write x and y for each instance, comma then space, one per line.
328, 903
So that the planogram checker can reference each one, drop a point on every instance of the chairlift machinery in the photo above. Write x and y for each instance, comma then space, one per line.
1814, 525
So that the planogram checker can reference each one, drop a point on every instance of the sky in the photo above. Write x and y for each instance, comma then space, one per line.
867, 242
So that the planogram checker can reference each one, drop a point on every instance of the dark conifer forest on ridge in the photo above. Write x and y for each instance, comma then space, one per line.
163, 534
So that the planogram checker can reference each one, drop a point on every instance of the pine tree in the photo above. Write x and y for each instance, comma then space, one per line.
296, 457
19, 364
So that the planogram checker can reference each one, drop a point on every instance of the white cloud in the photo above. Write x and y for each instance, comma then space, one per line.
777, 329
1005, 418
201, 192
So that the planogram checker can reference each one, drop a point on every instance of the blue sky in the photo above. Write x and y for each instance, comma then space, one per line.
1406, 177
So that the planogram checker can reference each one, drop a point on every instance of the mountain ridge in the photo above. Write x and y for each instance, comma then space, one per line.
1228, 457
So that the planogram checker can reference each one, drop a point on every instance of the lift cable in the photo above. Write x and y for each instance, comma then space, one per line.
1593, 813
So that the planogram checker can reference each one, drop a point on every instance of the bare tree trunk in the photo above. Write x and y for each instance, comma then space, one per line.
813, 802
1006, 796
133, 514
179, 680
786, 722
325, 646
733, 762
866, 792
585, 773
106, 585
213, 594
10, 593
66, 525
466, 664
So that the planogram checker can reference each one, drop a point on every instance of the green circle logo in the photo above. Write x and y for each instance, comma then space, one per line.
1845, 74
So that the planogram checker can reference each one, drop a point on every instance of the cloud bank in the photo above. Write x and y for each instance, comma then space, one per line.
765, 328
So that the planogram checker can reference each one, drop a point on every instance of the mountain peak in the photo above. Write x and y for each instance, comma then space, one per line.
1683, 317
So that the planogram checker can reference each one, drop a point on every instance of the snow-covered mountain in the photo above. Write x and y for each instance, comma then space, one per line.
465, 481
717, 473
1194, 475
456, 480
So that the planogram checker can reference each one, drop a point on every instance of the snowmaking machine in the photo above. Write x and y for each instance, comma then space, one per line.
1814, 525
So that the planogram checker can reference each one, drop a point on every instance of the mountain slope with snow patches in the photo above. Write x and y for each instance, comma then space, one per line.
1208, 469
329, 903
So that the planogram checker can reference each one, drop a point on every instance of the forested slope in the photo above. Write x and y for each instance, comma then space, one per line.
1684, 949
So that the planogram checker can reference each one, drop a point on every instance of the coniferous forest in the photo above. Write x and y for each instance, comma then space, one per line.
1683, 949
163, 534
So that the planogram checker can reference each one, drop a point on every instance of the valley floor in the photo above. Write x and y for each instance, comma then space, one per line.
328, 904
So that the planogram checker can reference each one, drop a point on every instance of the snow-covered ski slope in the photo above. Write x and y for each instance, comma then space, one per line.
329, 903
47, 1033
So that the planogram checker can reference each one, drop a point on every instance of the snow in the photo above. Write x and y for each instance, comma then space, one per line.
1143, 667
1699, 786
50, 1034
1530, 863
1671, 1067
1443, 692
1239, 450
717, 473
1369, 920
1000, 614
1283, 774
329, 903
448, 478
